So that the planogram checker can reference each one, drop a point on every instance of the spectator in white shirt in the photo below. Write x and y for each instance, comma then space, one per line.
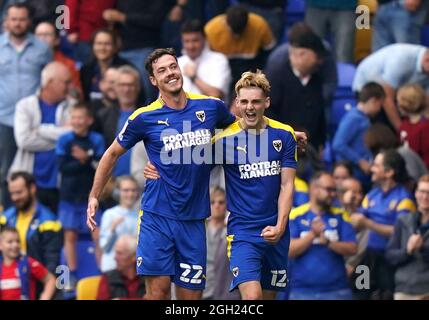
204, 71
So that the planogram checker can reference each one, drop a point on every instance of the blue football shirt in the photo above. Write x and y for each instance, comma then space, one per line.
178, 143
319, 269
252, 164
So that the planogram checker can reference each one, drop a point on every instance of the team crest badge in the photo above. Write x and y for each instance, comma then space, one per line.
392, 204
139, 261
201, 115
235, 272
333, 222
277, 144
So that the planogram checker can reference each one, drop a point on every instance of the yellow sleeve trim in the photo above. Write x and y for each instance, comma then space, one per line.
229, 240
344, 214
300, 185
278, 125
365, 202
406, 204
299, 211
232, 129
54, 226
196, 96
3, 220
157, 104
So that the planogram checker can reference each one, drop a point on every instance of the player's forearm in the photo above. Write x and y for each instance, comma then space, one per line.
284, 205
301, 245
343, 248
49, 287
103, 173
381, 229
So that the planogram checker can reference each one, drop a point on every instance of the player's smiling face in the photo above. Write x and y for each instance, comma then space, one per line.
251, 103
167, 75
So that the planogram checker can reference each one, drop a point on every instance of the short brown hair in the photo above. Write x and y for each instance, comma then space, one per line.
253, 79
155, 55
380, 137
28, 178
6, 228
371, 90
411, 98
424, 178
83, 106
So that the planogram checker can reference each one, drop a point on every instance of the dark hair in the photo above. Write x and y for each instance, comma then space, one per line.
237, 17
83, 106
21, 5
393, 160
371, 90
380, 137
112, 34
318, 174
345, 164
28, 178
301, 35
56, 31
155, 55
193, 25
7, 228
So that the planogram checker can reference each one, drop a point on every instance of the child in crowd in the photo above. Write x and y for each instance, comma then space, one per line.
414, 128
19, 273
78, 153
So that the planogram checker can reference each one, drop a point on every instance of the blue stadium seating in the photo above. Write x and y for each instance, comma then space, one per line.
425, 35
339, 107
295, 11
328, 156
87, 265
346, 73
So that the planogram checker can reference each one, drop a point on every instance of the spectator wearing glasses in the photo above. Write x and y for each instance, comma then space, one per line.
320, 232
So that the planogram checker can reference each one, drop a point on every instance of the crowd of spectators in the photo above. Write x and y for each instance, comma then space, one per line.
361, 191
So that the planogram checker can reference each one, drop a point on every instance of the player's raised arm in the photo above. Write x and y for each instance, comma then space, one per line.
102, 175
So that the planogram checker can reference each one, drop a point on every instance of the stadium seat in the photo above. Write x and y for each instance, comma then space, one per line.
339, 107
425, 35
295, 11
86, 261
328, 156
346, 73
87, 288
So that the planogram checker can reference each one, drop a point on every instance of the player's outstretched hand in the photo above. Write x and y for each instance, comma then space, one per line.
272, 234
90, 213
150, 171
301, 139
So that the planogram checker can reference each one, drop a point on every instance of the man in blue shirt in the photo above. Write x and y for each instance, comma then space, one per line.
379, 212
22, 58
392, 67
348, 143
259, 158
321, 236
172, 242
